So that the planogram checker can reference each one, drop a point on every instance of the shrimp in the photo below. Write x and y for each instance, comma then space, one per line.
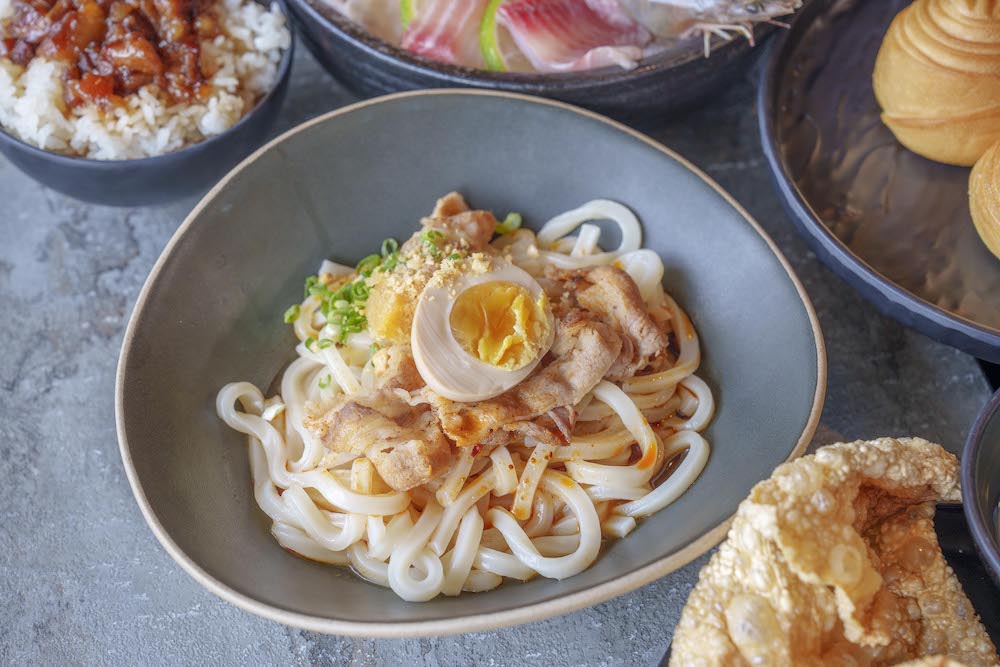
673, 19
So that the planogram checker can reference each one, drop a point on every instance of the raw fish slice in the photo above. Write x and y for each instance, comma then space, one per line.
447, 30
567, 35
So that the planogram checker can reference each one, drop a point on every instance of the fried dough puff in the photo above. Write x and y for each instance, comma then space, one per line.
834, 560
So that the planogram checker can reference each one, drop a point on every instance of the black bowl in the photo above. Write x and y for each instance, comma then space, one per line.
160, 179
660, 85
981, 484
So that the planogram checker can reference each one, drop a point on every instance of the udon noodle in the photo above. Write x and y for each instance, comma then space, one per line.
525, 508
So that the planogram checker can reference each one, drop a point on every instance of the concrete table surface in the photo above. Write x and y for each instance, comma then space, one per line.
83, 580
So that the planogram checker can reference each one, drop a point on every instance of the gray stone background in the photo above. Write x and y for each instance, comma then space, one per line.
82, 579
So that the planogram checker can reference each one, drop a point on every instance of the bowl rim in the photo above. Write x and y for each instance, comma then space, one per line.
477, 622
284, 70
890, 298
983, 534
386, 53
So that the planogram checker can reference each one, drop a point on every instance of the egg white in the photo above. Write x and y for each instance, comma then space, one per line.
446, 367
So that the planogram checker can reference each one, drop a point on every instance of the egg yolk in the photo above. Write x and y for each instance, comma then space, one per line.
500, 324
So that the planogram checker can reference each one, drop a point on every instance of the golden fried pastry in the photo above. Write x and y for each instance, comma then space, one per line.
834, 560
984, 198
937, 78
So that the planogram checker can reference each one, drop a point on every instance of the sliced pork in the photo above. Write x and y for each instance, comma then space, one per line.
612, 295
457, 223
584, 349
404, 442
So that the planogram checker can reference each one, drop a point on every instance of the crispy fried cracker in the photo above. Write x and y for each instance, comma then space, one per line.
834, 560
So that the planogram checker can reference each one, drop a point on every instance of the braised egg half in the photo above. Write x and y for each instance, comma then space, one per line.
477, 334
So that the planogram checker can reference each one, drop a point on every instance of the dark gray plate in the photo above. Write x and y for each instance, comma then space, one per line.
894, 225
210, 313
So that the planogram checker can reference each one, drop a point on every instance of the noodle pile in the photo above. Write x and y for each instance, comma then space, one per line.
516, 511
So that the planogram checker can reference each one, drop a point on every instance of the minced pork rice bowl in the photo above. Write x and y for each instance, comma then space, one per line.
237, 63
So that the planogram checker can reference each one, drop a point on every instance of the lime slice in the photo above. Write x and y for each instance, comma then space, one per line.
406, 11
489, 44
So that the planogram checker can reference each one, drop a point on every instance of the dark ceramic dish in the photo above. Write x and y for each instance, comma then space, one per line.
981, 484
160, 179
335, 187
660, 85
892, 224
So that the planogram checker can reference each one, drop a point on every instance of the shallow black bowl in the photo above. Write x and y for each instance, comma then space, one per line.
660, 85
160, 179
981, 484
892, 224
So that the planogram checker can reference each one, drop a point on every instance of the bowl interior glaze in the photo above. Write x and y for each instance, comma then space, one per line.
210, 313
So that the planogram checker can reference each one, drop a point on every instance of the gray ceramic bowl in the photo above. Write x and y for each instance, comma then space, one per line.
211, 313
163, 178
981, 484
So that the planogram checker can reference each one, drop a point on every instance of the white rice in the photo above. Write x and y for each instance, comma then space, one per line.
245, 59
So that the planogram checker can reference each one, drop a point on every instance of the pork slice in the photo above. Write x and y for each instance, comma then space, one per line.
405, 465
612, 295
352, 426
404, 442
395, 368
458, 223
451, 204
584, 350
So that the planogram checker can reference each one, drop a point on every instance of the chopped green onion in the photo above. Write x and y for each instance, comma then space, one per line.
368, 264
360, 290
389, 247
429, 238
405, 12
325, 382
512, 222
319, 289
310, 281
390, 263
345, 293
454, 256
489, 45
344, 308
